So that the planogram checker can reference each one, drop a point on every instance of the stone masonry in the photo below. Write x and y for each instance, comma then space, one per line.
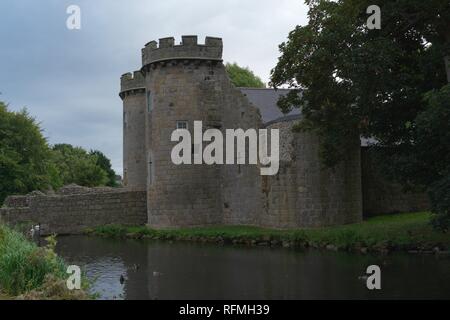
74, 209
306, 194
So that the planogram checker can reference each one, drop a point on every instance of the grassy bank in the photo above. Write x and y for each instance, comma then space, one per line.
31, 272
401, 232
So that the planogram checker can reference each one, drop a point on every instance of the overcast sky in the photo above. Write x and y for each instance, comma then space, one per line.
69, 79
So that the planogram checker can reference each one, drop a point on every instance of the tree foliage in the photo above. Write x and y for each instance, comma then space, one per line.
28, 163
76, 165
24, 154
243, 77
103, 162
429, 159
385, 84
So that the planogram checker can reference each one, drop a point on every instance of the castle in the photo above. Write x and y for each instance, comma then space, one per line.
180, 84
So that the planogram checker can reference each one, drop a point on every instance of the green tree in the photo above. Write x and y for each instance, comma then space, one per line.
427, 160
385, 84
24, 154
103, 162
243, 77
27, 162
76, 165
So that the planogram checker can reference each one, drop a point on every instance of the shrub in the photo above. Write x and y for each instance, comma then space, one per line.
23, 265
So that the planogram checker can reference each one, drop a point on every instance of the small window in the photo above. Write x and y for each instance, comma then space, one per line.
182, 125
149, 101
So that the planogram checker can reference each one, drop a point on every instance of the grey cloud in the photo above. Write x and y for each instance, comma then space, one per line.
69, 80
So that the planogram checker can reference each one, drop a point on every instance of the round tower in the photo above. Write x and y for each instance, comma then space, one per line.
182, 87
132, 93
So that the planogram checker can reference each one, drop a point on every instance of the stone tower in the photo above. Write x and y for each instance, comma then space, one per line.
132, 92
175, 79
186, 83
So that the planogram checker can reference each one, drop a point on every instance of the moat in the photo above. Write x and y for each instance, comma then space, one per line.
179, 270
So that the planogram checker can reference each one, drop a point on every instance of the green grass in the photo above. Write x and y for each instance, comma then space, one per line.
408, 231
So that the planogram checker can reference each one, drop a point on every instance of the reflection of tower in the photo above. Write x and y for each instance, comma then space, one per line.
132, 93
153, 285
182, 83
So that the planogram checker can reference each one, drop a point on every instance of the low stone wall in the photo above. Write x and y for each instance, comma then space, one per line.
73, 211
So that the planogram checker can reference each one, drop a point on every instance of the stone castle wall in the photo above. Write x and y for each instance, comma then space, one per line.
74, 211
381, 196
304, 194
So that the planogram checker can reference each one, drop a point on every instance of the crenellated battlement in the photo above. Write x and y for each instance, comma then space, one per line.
132, 82
188, 49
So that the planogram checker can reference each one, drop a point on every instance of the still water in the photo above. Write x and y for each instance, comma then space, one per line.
162, 270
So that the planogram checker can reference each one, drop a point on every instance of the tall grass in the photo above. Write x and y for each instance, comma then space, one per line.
23, 265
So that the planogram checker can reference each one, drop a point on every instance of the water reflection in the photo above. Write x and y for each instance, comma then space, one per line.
161, 270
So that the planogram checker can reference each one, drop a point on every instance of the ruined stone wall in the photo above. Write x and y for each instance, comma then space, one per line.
304, 194
74, 212
381, 196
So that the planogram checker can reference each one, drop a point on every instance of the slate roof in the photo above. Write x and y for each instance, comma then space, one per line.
265, 99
